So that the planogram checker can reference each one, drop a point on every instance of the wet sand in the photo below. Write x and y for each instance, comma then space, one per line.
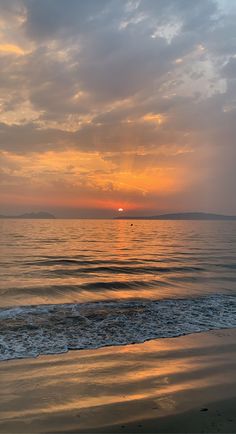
185, 384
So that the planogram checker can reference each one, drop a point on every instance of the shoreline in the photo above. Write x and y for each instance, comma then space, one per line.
72, 350
157, 386
29, 331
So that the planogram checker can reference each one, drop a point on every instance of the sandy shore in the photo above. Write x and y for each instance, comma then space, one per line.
185, 384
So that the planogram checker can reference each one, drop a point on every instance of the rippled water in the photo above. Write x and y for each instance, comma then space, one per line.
61, 262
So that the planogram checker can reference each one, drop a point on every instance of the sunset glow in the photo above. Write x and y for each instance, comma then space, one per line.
94, 114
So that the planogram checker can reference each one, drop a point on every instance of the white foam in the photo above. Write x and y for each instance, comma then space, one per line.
32, 330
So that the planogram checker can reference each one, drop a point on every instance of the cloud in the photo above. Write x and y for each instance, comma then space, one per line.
132, 89
11, 49
28, 138
229, 69
56, 18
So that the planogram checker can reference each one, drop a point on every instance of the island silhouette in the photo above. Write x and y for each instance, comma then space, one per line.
172, 216
31, 215
181, 216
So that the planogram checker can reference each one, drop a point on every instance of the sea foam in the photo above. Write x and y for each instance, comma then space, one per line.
29, 331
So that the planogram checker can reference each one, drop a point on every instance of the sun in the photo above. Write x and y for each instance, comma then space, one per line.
120, 209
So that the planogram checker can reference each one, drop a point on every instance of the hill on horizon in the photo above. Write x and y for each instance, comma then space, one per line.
171, 216
31, 215
182, 216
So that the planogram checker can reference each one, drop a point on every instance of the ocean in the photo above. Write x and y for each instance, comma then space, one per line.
75, 284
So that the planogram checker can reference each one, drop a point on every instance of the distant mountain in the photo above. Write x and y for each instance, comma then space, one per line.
182, 216
31, 215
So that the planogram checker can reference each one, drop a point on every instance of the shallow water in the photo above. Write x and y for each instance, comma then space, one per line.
58, 262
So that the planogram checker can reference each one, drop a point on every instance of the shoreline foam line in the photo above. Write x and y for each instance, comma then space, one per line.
29, 331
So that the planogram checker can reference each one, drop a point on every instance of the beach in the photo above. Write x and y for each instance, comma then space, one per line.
183, 384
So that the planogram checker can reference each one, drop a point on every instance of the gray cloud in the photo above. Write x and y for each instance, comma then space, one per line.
22, 139
229, 69
54, 18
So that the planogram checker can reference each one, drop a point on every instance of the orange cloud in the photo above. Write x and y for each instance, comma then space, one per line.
155, 117
11, 49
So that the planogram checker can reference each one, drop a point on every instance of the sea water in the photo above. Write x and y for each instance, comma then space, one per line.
74, 284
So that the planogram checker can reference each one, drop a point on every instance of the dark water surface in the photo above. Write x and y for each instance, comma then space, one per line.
152, 279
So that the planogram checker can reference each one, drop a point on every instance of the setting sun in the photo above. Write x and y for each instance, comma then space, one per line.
120, 209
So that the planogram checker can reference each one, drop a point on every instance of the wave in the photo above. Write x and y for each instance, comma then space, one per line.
94, 286
123, 270
51, 262
29, 331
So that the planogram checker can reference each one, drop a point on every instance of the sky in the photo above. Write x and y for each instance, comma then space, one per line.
108, 104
